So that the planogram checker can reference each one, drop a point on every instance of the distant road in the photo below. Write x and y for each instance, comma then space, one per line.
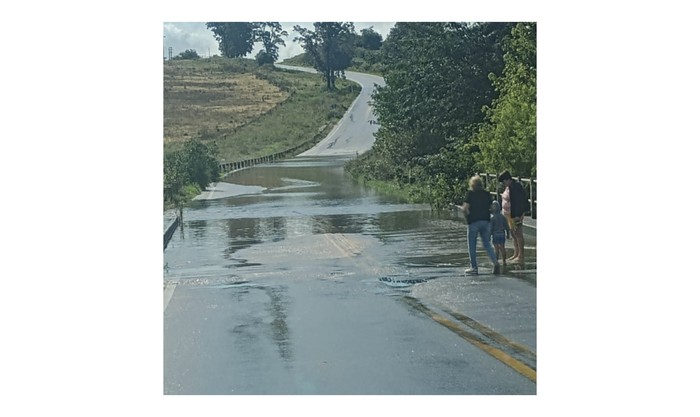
354, 134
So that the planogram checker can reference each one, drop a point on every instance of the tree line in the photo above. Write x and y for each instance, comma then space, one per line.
237, 39
460, 98
330, 47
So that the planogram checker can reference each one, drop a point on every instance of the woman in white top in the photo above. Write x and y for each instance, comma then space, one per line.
505, 199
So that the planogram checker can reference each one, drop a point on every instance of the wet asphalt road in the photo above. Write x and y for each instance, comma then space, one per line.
312, 284
281, 293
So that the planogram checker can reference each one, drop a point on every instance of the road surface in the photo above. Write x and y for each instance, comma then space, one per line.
354, 134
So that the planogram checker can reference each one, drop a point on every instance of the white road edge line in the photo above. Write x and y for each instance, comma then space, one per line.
168, 294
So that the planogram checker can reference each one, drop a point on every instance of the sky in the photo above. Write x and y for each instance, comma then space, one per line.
195, 35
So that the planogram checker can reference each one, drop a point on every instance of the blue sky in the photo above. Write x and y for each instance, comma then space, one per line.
195, 35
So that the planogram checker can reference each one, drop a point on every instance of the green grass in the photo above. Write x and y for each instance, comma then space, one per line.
310, 111
224, 104
413, 193
298, 60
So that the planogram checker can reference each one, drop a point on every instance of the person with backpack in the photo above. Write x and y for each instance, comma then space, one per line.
518, 208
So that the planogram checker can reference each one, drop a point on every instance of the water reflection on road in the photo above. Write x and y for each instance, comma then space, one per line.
304, 197
282, 291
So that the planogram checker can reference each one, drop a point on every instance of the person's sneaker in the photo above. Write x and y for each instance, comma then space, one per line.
496, 269
471, 271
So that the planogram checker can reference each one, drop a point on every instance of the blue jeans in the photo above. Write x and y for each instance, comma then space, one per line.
483, 228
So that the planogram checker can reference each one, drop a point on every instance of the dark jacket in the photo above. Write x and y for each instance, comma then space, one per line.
479, 204
518, 199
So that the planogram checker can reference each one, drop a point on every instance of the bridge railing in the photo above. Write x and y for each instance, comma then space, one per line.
530, 185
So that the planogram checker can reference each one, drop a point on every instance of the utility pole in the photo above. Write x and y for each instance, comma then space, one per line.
163, 47
170, 53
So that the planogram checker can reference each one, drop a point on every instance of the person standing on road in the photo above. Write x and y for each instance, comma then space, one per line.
499, 231
518, 207
477, 211
505, 198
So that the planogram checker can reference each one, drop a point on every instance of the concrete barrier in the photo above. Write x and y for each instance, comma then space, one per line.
170, 231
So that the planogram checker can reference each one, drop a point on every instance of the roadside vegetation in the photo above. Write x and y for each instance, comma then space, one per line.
188, 171
459, 99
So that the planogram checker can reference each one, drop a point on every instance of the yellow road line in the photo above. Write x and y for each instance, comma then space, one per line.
493, 335
502, 356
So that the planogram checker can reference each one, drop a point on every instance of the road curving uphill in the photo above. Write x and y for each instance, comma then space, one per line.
354, 133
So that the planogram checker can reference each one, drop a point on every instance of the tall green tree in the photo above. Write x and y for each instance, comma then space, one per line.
329, 47
436, 84
270, 35
236, 39
370, 39
508, 137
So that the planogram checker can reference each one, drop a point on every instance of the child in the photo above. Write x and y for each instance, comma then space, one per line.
499, 231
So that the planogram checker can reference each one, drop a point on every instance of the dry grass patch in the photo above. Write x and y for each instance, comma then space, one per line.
207, 102
246, 110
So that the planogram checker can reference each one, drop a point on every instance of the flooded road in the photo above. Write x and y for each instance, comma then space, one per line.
313, 284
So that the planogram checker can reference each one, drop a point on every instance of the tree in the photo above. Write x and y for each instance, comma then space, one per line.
270, 34
507, 140
329, 47
235, 39
188, 54
369, 39
201, 164
436, 84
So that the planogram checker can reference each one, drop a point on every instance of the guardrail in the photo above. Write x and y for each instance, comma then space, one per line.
267, 159
530, 185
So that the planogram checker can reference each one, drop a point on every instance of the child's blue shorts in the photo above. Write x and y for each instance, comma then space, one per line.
499, 238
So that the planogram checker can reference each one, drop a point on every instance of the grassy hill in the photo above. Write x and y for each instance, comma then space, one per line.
298, 60
247, 110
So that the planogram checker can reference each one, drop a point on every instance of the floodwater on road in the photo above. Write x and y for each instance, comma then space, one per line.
310, 197
298, 288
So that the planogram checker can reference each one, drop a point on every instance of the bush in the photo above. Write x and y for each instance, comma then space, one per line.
263, 58
188, 54
193, 166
